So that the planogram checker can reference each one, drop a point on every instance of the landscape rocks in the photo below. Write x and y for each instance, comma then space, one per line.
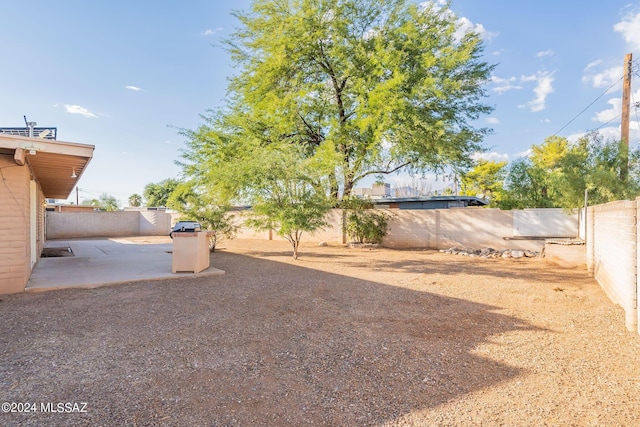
491, 253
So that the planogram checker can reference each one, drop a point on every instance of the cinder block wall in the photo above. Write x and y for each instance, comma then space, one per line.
612, 253
69, 225
432, 229
480, 228
413, 229
477, 228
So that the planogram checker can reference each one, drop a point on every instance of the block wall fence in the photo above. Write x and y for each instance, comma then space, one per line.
611, 234
431, 229
612, 237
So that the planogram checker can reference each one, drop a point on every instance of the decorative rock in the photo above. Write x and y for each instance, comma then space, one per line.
490, 253
322, 244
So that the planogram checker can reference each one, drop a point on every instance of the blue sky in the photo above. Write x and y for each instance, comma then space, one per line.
125, 75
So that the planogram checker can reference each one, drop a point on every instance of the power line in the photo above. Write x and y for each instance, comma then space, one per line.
587, 107
608, 121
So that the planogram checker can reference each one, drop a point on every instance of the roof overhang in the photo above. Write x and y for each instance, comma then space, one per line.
56, 165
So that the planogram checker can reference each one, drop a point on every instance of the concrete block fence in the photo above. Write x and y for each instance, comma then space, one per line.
431, 229
612, 253
610, 232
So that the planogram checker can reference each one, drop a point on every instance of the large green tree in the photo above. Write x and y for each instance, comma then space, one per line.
558, 172
105, 202
387, 85
486, 179
157, 194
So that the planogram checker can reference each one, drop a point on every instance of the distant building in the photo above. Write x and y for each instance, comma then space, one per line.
430, 202
376, 191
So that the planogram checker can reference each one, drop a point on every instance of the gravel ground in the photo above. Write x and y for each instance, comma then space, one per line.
340, 337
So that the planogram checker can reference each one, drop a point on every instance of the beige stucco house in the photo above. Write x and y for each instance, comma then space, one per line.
31, 170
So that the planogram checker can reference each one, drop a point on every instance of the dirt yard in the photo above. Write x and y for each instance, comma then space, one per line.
340, 337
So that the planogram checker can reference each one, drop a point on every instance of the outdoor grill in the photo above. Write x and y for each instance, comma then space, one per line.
185, 227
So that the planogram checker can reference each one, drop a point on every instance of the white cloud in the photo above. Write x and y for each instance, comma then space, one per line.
543, 88
492, 156
608, 115
210, 32
629, 27
504, 85
614, 112
544, 53
465, 25
133, 88
593, 64
521, 154
77, 109
603, 78
493, 120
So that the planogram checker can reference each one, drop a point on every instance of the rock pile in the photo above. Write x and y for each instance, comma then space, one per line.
491, 253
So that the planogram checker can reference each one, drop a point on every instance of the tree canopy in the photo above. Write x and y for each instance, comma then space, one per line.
385, 85
485, 179
558, 172
105, 202
157, 194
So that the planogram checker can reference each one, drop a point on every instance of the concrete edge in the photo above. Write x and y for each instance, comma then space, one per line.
211, 271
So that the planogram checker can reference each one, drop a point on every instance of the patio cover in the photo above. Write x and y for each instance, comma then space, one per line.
56, 165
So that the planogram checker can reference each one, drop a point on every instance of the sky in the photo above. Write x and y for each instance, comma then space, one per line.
126, 76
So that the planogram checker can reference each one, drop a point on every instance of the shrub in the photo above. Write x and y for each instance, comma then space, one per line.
364, 224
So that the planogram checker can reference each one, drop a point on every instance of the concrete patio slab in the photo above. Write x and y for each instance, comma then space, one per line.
103, 262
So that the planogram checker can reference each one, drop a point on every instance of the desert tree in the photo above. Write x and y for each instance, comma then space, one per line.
387, 85
197, 203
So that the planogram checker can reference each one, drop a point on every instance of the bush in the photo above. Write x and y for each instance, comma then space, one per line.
365, 225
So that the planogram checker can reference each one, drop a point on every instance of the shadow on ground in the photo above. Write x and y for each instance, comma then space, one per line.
267, 344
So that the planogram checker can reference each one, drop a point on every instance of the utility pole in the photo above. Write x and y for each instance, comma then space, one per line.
624, 126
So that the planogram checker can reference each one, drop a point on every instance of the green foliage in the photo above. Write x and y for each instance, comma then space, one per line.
284, 197
485, 179
105, 202
203, 207
527, 186
363, 223
157, 194
135, 200
558, 172
598, 166
384, 84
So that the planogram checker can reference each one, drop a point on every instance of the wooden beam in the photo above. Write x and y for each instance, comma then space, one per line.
18, 156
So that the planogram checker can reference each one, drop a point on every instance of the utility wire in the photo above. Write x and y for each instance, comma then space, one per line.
608, 121
588, 106
636, 105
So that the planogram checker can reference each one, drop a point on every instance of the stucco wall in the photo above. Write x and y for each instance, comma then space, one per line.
15, 252
478, 228
612, 243
458, 227
434, 229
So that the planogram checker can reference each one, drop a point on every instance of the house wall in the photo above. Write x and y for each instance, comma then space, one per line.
612, 253
15, 251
